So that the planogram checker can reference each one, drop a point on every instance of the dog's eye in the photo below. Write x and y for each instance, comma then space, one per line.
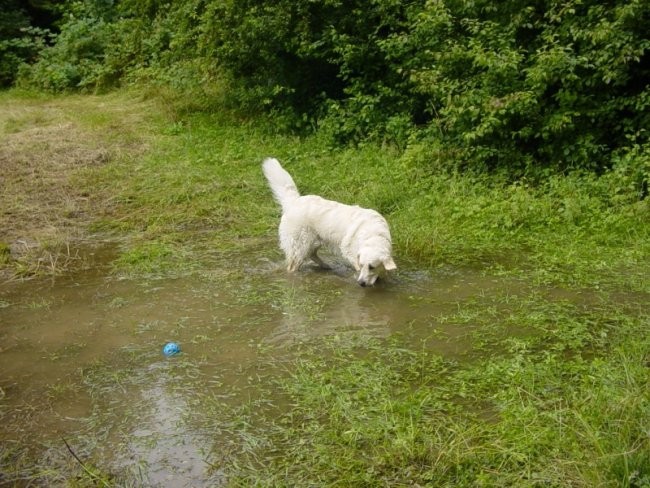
370, 266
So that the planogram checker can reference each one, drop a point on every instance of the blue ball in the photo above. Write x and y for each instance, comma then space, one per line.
171, 348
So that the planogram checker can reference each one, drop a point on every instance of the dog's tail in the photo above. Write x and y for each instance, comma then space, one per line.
281, 183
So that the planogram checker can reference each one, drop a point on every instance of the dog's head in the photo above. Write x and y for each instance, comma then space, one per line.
371, 264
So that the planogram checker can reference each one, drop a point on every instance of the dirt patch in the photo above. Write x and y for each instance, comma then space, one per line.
48, 195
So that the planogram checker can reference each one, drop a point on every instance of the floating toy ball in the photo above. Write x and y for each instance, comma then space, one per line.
171, 348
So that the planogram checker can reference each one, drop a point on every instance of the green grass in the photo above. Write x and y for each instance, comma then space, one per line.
562, 402
522, 415
200, 190
554, 390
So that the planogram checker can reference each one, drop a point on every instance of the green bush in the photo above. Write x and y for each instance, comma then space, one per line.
526, 86
19, 40
519, 84
77, 58
315, 60
95, 49
514, 84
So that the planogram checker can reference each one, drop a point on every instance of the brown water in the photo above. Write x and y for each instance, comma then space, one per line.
80, 356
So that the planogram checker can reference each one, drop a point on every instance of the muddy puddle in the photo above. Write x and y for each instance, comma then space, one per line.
81, 360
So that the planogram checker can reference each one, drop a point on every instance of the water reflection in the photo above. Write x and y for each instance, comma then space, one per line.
162, 447
81, 355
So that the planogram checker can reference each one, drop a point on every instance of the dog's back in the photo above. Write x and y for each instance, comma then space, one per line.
333, 221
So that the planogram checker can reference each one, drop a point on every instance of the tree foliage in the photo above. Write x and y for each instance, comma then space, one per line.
23, 33
481, 84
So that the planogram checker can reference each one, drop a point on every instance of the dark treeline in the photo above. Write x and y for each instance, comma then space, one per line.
522, 84
25, 29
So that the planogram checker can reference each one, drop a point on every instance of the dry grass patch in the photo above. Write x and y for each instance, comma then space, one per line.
48, 149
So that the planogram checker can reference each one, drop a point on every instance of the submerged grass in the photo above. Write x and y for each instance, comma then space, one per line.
555, 391
522, 416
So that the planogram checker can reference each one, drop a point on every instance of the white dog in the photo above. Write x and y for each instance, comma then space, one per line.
360, 235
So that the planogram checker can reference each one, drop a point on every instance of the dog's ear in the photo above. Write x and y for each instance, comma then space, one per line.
389, 264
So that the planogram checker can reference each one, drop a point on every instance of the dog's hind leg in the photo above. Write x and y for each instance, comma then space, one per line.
316, 258
297, 246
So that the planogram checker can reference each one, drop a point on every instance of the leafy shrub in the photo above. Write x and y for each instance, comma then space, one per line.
19, 40
528, 86
76, 59
516, 84
314, 59
520, 84
94, 50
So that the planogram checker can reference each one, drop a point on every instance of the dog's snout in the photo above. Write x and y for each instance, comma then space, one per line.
362, 283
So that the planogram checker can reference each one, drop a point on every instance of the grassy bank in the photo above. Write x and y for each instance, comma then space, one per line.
555, 390
576, 229
180, 185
